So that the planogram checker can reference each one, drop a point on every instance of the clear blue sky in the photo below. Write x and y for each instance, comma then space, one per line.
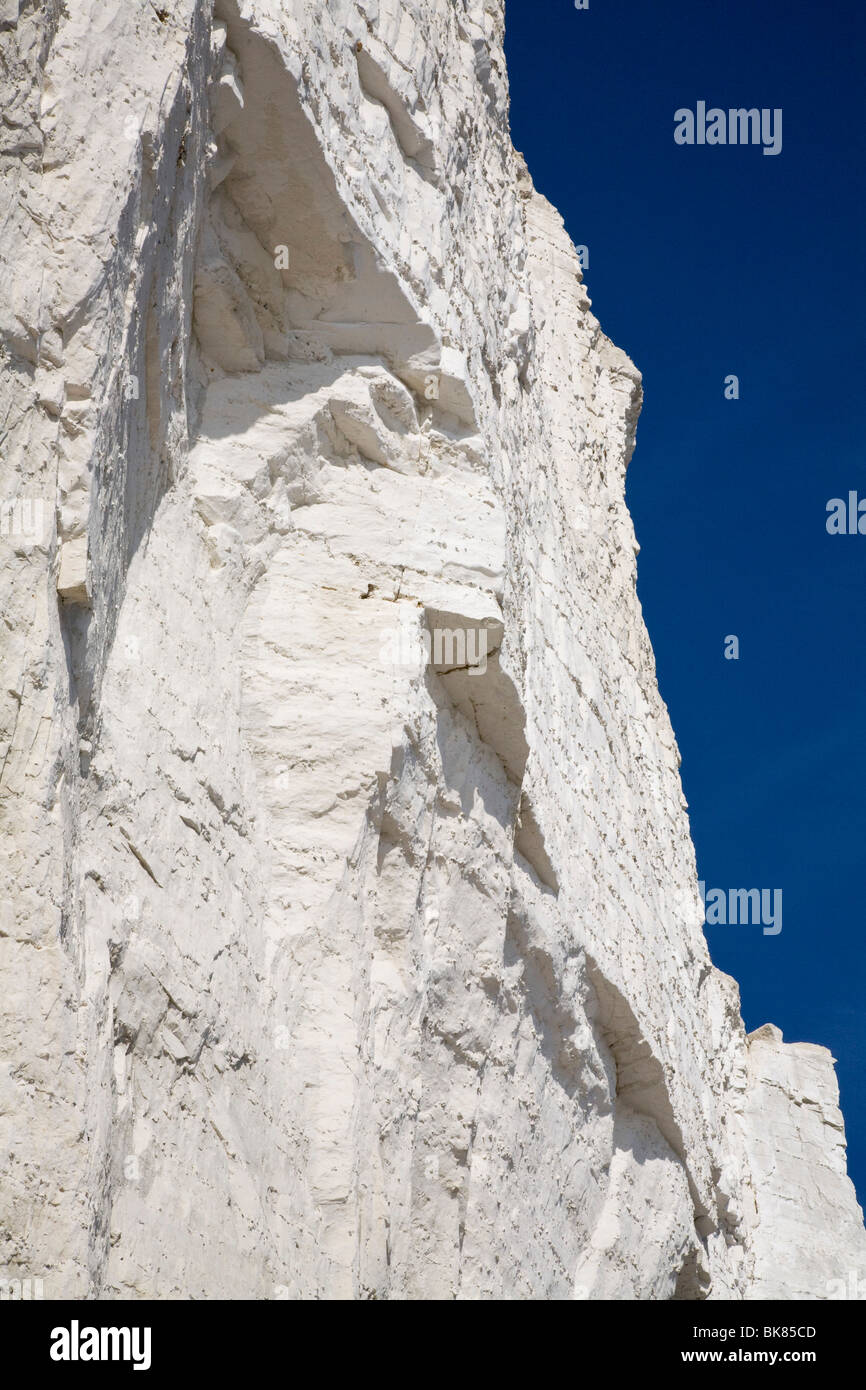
705, 261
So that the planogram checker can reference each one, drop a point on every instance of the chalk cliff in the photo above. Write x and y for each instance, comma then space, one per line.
351, 943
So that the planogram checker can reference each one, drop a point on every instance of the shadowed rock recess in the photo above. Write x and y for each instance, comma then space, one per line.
351, 942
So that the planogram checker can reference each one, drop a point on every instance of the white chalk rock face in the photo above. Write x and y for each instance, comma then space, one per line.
352, 944
807, 1212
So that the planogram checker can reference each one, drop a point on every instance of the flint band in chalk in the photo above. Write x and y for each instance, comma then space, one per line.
735, 127
102, 1344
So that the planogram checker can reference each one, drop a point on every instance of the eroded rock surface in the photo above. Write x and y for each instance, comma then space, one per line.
352, 943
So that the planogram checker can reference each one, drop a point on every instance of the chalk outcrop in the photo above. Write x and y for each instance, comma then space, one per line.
352, 944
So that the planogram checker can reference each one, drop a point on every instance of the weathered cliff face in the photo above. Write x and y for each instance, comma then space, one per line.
352, 943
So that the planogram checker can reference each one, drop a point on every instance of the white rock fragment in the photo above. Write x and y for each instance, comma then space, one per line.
72, 576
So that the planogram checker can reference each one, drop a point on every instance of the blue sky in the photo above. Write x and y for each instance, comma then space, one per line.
707, 261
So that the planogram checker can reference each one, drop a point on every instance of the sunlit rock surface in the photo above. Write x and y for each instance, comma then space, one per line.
351, 943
